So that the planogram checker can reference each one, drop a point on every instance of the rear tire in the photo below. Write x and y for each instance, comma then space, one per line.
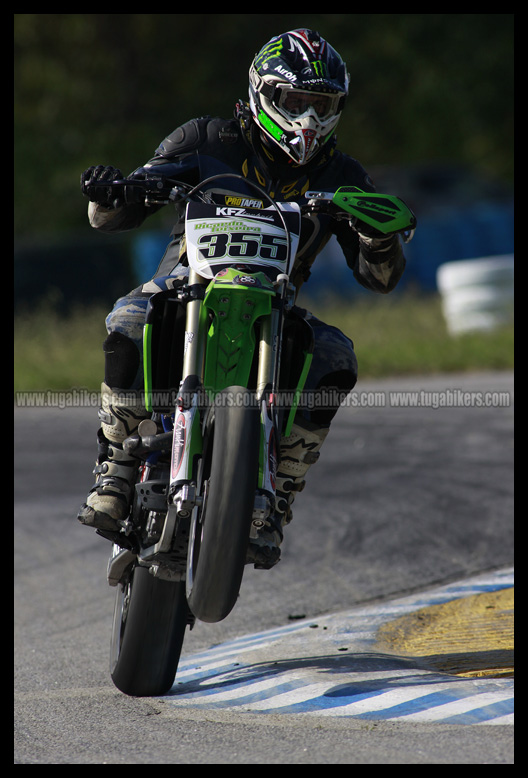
220, 530
150, 617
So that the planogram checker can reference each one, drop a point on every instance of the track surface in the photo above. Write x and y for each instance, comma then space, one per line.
402, 499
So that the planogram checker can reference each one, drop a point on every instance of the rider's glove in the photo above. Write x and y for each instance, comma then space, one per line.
376, 245
368, 232
97, 174
372, 237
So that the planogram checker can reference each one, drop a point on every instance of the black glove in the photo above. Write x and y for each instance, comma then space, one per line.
368, 231
103, 195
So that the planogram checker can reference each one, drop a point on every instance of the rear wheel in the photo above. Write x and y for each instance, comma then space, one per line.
220, 529
150, 617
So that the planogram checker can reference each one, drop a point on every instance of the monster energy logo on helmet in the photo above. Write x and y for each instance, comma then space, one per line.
319, 68
271, 50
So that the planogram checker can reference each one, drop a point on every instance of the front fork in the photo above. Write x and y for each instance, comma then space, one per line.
187, 441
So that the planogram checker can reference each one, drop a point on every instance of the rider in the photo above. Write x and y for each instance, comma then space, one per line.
283, 140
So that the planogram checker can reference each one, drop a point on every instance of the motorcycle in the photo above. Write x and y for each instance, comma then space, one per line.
220, 352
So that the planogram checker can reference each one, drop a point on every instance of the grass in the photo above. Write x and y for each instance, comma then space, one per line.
59, 352
393, 335
404, 335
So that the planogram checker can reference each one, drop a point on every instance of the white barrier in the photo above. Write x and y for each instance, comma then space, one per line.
477, 294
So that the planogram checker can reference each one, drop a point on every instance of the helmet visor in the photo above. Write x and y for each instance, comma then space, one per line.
297, 103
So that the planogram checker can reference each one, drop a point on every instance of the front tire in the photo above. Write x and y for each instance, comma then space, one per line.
220, 530
150, 617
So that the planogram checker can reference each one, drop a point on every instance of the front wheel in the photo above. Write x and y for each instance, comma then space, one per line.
220, 530
150, 617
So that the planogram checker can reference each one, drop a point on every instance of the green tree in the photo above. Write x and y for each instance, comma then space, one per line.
107, 88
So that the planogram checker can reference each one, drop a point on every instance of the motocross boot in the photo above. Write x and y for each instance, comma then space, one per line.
298, 452
109, 499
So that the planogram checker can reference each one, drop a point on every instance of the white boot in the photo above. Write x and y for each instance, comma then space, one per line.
298, 452
109, 499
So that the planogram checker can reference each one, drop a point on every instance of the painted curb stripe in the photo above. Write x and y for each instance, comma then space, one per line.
341, 675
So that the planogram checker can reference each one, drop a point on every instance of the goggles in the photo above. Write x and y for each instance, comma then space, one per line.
297, 103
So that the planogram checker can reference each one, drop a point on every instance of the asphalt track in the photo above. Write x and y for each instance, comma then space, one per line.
403, 503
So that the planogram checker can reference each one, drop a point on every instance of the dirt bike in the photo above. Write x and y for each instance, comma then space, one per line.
220, 350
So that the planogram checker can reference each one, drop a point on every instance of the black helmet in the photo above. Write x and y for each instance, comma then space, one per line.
297, 88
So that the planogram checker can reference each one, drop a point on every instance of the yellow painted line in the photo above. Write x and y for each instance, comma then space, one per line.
471, 637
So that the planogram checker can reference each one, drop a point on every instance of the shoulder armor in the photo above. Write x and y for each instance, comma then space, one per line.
185, 139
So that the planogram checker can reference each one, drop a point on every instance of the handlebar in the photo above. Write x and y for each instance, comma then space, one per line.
386, 214
152, 190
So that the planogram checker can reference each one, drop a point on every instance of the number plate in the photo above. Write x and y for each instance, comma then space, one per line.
219, 236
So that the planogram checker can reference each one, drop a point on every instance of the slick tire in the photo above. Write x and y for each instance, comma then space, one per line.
150, 618
220, 530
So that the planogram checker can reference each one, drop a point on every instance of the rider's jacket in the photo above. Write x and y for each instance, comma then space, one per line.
210, 146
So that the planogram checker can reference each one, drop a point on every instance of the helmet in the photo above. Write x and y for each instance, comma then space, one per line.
297, 89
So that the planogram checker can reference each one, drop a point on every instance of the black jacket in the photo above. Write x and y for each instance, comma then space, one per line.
209, 146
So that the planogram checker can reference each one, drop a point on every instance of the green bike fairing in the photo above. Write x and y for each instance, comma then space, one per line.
147, 365
237, 300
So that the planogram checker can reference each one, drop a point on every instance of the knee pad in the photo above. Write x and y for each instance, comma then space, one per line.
332, 389
122, 360
333, 373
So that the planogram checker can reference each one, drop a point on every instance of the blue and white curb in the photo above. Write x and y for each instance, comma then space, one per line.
329, 667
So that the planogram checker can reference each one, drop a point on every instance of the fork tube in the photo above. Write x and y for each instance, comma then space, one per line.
194, 334
268, 344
